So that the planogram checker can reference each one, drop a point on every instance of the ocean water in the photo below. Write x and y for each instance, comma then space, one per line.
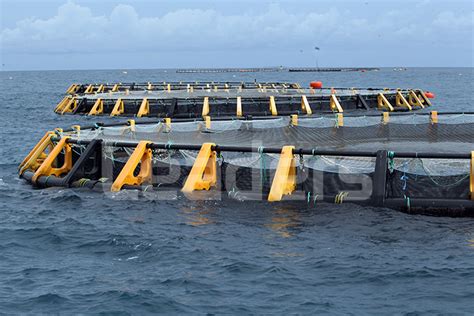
81, 252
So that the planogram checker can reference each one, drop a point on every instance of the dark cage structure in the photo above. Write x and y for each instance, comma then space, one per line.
421, 162
239, 99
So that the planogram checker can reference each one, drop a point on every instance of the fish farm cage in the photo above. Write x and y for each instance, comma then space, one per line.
415, 162
239, 99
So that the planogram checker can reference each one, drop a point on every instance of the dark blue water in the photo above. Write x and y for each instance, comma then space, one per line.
80, 252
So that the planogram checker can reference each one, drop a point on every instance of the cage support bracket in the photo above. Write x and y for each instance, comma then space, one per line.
36, 155
203, 174
97, 108
119, 108
239, 106
414, 100
46, 168
382, 102
422, 97
144, 109
273, 108
401, 101
72, 88
89, 89
305, 105
205, 107
141, 155
334, 104
284, 181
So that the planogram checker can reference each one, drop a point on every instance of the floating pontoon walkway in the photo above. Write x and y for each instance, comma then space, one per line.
191, 100
317, 69
273, 69
412, 162
91, 88
225, 70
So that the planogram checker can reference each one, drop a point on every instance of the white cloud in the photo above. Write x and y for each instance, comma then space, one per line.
76, 29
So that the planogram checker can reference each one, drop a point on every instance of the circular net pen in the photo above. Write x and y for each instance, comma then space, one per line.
217, 99
415, 163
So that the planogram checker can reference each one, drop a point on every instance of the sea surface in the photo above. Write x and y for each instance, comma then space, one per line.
65, 252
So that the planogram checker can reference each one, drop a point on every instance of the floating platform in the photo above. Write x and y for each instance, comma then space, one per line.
421, 162
274, 69
91, 88
191, 100
225, 70
318, 69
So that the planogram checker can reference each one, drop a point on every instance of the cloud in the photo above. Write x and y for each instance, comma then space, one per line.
76, 29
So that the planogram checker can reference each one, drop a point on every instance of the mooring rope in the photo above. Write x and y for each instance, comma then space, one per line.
262, 165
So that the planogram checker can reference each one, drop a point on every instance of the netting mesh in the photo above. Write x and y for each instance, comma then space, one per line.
452, 134
247, 173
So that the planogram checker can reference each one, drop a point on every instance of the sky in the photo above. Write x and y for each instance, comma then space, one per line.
110, 34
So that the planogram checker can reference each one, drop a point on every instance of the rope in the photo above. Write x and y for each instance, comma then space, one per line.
391, 164
301, 162
404, 178
339, 198
308, 198
262, 165
168, 144
439, 184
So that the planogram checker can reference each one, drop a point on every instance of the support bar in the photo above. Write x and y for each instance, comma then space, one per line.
203, 174
239, 107
414, 100
119, 108
47, 169
72, 88
89, 89
144, 109
97, 108
69, 105
400, 101
422, 97
205, 107
340, 119
385, 117
141, 155
362, 101
305, 105
382, 102
284, 182
334, 104
273, 108
31, 159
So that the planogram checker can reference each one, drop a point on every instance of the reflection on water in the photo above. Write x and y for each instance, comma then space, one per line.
471, 242
284, 221
197, 215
